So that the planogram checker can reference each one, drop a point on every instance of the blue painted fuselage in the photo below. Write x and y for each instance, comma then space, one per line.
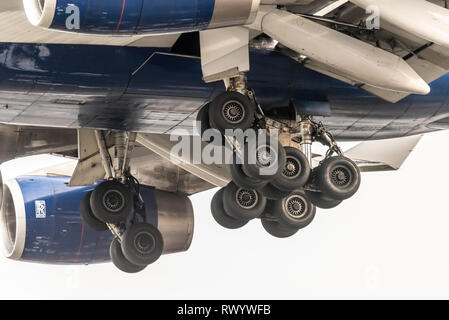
152, 90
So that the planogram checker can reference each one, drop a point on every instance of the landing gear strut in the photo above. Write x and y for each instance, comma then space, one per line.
289, 196
116, 204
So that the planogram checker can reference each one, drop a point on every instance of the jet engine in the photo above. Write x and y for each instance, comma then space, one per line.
139, 16
40, 221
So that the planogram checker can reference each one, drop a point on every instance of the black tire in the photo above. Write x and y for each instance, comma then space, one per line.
296, 172
231, 110
203, 125
111, 202
272, 193
338, 178
320, 201
88, 217
221, 217
241, 179
142, 244
120, 261
294, 211
277, 230
203, 121
243, 204
254, 168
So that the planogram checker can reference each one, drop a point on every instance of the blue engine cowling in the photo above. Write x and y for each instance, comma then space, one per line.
40, 222
139, 16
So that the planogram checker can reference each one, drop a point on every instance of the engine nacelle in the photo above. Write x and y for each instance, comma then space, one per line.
139, 16
40, 222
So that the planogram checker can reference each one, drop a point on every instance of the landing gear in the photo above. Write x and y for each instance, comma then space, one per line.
273, 193
231, 110
220, 215
296, 172
295, 211
240, 178
337, 178
142, 244
111, 202
243, 204
265, 161
88, 216
321, 201
277, 230
120, 261
116, 204
287, 196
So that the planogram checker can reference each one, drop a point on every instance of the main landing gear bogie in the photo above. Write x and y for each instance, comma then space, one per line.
116, 204
289, 195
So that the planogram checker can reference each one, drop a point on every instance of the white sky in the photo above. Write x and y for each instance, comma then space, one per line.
390, 241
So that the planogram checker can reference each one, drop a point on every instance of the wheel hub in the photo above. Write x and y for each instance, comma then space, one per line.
144, 242
113, 201
265, 156
296, 206
247, 199
341, 176
234, 112
292, 168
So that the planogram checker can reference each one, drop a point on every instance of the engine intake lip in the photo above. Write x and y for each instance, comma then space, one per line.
40, 13
13, 220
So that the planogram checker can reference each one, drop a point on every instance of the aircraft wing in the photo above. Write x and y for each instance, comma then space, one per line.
420, 39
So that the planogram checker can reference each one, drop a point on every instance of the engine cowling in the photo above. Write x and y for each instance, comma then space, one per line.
139, 16
40, 222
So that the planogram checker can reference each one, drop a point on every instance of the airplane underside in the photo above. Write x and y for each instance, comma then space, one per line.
249, 86
157, 91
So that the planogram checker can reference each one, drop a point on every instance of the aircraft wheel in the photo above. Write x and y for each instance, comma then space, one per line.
220, 216
265, 162
142, 244
277, 230
111, 202
242, 180
322, 202
295, 211
120, 261
241, 203
296, 172
231, 110
203, 121
338, 178
88, 217
273, 193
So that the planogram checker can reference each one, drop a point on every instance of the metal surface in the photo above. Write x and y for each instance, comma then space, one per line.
383, 155
105, 158
175, 220
130, 144
422, 18
234, 12
14, 27
224, 53
215, 174
40, 222
341, 52
94, 91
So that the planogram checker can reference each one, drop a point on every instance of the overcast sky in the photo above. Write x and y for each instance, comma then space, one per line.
390, 241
